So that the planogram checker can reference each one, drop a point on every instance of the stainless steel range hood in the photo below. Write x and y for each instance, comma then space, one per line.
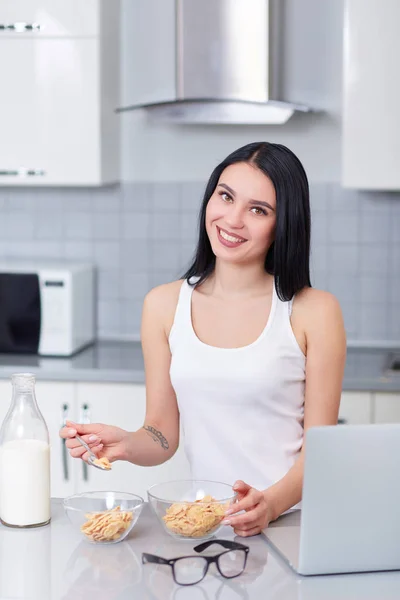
222, 65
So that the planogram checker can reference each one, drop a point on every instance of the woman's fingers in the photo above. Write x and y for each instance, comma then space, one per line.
91, 440
71, 429
77, 452
96, 449
247, 532
247, 503
246, 520
67, 432
81, 452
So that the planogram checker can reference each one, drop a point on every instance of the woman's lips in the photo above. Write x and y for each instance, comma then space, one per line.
228, 240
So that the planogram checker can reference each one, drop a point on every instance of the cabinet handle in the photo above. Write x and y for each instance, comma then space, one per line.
64, 451
85, 418
20, 27
22, 172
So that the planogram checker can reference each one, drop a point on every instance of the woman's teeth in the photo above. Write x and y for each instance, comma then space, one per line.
230, 238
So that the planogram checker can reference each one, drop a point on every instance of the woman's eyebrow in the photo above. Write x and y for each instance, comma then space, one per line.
230, 190
259, 202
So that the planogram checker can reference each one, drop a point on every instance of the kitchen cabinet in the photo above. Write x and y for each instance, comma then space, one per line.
57, 118
387, 408
56, 402
52, 17
371, 87
356, 408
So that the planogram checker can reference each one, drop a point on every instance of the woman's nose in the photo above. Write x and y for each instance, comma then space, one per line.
234, 217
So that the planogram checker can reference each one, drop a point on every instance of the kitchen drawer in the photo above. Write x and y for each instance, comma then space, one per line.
356, 408
387, 408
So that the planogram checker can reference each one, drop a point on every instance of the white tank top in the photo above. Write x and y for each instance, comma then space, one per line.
241, 409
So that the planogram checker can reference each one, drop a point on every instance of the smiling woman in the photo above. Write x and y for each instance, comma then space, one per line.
265, 181
241, 351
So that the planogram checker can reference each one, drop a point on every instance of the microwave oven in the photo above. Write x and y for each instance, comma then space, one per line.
46, 307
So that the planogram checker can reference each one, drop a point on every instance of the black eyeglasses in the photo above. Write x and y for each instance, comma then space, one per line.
188, 570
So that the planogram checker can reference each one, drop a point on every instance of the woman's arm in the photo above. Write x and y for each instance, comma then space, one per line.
158, 439
316, 319
326, 355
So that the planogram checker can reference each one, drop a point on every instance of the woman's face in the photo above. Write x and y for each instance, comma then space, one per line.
241, 215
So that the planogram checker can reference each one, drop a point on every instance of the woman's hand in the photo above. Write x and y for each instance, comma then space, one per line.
103, 440
258, 511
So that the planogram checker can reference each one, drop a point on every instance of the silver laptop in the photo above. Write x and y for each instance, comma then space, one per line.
350, 515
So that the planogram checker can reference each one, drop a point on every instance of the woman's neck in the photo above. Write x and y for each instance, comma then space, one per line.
239, 280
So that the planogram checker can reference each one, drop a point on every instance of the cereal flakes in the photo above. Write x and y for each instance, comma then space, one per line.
194, 519
103, 462
107, 525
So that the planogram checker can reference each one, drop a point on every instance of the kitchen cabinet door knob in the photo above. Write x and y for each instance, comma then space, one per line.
20, 27
64, 451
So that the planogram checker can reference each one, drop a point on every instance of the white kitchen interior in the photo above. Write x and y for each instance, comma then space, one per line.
107, 141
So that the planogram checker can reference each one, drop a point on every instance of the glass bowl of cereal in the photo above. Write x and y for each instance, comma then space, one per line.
104, 517
191, 509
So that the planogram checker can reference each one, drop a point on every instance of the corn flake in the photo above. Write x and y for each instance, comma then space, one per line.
195, 519
107, 525
103, 462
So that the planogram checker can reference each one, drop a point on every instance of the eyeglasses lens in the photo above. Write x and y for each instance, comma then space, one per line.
190, 570
232, 563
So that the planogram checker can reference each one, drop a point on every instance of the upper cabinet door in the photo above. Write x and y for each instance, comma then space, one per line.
65, 18
371, 89
49, 118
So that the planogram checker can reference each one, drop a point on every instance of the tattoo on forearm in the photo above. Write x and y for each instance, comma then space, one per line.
157, 436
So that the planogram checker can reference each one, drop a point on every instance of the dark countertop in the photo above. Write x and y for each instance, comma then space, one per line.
122, 362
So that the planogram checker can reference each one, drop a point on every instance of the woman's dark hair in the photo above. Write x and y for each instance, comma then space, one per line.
288, 258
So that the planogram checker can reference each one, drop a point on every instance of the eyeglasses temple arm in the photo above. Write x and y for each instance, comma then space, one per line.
152, 558
225, 543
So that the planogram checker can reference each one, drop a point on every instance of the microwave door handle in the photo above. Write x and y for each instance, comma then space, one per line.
64, 451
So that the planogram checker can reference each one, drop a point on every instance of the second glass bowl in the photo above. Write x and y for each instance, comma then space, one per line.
191, 509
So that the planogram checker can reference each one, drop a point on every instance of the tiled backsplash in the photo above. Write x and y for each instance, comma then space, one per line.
142, 234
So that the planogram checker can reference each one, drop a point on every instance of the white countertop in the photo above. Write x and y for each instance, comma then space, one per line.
54, 563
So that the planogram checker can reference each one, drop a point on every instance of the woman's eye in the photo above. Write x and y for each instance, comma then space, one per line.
225, 196
259, 211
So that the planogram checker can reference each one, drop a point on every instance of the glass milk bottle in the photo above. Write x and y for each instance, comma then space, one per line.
24, 459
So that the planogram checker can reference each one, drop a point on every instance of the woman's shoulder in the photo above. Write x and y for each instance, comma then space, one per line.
162, 300
316, 305
165, 291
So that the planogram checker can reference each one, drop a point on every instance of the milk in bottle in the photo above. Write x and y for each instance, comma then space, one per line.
24, 459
